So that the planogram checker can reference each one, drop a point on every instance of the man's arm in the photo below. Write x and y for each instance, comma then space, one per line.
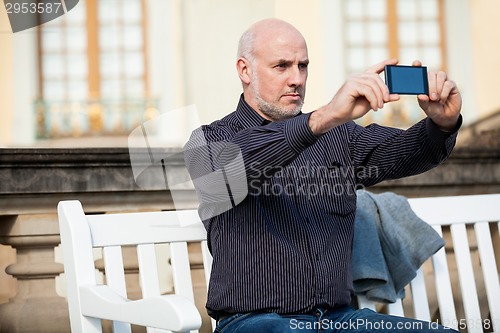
263, 149
380, 153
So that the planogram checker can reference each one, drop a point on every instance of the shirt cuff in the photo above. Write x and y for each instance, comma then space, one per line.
439, 136
298, 133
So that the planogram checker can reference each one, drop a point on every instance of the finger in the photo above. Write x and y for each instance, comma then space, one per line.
423, 101
381, 89
416, 63
423, 98
384, 89
393, 97
378, 87
440, 81
379, 68
367, 92
433, 95
357, 89
448, 87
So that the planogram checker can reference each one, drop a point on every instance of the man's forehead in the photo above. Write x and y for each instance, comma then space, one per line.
281, 47
282, 54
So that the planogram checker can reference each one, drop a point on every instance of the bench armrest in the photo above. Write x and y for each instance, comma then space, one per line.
169, 312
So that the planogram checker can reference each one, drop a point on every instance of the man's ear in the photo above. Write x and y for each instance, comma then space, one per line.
244, 69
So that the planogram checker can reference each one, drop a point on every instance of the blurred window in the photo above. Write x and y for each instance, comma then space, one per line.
375, 30
92, 69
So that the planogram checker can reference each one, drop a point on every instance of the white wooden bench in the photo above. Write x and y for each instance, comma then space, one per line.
89, 302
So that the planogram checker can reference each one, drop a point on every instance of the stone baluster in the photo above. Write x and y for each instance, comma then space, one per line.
36, 307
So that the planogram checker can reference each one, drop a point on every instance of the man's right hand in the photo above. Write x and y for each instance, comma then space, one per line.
358, 95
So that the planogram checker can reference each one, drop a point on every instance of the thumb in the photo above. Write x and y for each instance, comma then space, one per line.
379, 68
423, 101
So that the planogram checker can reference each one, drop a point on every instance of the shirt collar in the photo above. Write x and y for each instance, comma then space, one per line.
247, 116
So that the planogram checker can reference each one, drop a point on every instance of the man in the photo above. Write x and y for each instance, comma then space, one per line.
281, 244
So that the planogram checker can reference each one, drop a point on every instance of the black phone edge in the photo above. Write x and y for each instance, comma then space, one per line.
388, 82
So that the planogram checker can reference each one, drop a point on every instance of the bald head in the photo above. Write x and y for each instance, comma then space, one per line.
261, 33
272, 66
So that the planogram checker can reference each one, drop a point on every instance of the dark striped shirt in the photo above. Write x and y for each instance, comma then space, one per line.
278, 203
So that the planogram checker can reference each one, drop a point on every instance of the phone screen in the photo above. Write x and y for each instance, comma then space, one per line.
406, 80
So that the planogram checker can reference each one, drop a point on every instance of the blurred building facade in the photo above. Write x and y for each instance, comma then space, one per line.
92, 75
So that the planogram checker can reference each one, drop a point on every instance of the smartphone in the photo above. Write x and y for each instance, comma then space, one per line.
407, 80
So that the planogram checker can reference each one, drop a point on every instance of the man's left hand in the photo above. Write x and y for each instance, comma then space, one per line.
444, 102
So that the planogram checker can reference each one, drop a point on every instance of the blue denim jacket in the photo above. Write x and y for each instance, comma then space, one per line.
390, 244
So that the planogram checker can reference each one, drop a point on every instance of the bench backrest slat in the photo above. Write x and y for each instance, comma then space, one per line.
419, 297
115, 278
490, 271
444, 291
181, 270
466, 274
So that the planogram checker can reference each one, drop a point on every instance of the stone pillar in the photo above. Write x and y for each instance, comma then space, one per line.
36, 307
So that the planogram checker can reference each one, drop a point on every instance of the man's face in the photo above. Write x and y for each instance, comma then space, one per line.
279, 75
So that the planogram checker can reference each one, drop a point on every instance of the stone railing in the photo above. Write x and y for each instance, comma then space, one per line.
84, 118
33, 181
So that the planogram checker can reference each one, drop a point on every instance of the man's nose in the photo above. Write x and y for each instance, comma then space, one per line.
296, 77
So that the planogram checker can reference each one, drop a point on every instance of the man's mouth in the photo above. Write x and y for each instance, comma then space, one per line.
293, 95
